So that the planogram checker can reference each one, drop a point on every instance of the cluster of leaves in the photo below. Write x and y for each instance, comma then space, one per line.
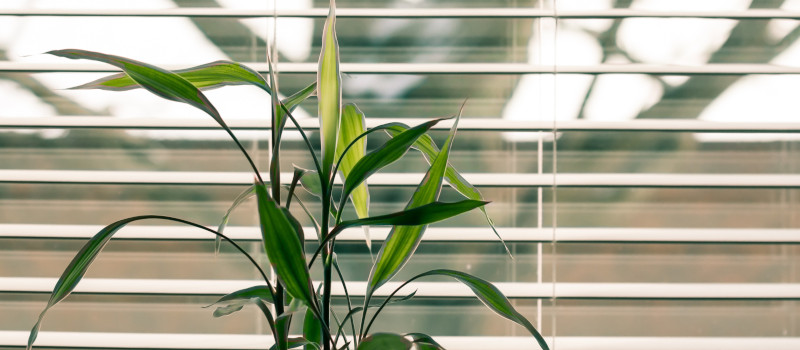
343, 139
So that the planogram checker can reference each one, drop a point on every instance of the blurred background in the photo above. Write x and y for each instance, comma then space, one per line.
640, 156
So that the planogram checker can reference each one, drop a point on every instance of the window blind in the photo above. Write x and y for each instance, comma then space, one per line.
640, 155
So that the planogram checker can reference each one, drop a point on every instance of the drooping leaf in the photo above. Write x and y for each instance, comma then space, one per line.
490, 296
422, 341
83, 259
384, 155
429, 151
296, 342
404, 240
283, 247
243, 196
162, 83
157, 80
329, 91
312, 330
353, 125
235, 301
384, 341
310, 181
205, 77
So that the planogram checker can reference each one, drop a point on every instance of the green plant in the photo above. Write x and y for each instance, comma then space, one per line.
343, 140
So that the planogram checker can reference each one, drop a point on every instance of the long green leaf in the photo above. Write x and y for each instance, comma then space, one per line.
384, 155
353, 125
162, 83
205, 77
83, 259
404, 240
157, 80
283, 247
414, 217
384, 341
429, 151
312, 330
329, 91
490, 296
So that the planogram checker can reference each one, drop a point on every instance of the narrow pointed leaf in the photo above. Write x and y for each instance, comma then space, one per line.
404, 240
157, 80
329, 92
414, 217
353, 125
205, 77
162, 83
384, 155
422, 215
236, 300
296, 342
423, 342
283, 247
243, 196
312, 330
310, 182
492, 297
384, 341
83, 259
429, 150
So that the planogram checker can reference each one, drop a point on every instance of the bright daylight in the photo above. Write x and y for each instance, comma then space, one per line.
400, 174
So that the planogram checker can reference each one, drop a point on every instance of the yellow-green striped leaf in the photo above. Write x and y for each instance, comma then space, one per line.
205, 77
403, 241
429, 151
329, 92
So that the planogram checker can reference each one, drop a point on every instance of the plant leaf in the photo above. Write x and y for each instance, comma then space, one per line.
310, 182
384, 155
422, 215
404, 240
312, 330
329, 92
353, 125
156, 80
243, 196
414, 217
162, 83
429, 151
205, 77
492, 297
296, 342
236, 300
384, 341
283, 247
423, 342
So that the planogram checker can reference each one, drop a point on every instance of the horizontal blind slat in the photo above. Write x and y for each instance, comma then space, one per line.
434, 234
444, 68
495, 12
526, 290
97, 340
467, 124
411, 179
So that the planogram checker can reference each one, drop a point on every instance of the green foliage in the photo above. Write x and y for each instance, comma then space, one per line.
343, 140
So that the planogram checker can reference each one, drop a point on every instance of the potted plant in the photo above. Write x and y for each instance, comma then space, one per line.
343, 151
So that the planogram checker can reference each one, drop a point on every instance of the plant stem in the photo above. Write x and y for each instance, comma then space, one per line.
327, 260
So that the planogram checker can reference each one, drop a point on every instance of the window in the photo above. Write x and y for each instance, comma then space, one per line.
640, 155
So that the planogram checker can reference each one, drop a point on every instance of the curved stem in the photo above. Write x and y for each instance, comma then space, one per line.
246, 155
349, 304
305, 139
384, 303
